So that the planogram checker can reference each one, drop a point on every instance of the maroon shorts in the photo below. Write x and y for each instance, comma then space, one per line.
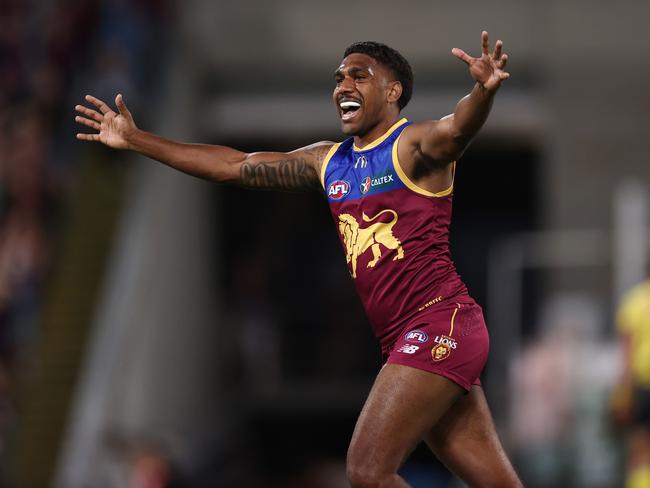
449, 339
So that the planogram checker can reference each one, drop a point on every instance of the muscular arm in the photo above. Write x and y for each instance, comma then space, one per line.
445, 140
439, 142
297, 170
293, 171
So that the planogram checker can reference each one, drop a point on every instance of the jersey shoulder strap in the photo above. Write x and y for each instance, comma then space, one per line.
333, 157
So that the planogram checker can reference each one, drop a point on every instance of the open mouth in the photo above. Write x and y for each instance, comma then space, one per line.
349, 109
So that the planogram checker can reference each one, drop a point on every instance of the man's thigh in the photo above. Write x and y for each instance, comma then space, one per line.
466, 441
402, 406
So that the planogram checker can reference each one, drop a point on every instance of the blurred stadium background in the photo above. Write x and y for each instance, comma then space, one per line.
156, 330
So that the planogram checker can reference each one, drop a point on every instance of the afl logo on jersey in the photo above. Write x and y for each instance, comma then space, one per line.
416, 336
365, 185
338, 189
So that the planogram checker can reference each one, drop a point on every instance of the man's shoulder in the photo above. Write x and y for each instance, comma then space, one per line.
422, 128
317, 152
318, 146
317, 155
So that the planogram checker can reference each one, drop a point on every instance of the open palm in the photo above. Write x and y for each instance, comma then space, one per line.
113, 128
488, 69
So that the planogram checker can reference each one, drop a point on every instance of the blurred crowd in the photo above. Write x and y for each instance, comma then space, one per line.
49, 51
559, 382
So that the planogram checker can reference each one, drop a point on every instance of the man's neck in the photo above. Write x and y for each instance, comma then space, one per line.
376, 132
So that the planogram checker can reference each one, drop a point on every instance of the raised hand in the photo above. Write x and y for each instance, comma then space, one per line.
488, 70
114, 129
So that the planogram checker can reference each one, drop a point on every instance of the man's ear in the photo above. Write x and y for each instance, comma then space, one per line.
395, 91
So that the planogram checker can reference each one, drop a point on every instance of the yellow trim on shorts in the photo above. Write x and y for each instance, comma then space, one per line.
381, 139
405, 179
326, 161
451, 331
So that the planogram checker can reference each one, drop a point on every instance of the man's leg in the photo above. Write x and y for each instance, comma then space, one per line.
402, 406
465, 440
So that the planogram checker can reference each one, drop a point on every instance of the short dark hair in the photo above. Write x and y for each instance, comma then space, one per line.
390, 58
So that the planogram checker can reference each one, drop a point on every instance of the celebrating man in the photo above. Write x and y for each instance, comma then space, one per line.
389, 187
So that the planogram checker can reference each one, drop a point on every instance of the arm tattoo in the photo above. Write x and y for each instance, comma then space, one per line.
289, 174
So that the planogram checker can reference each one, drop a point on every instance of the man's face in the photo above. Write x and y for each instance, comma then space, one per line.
361, 94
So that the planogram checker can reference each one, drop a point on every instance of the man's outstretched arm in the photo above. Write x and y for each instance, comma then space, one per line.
443, 141
297, 170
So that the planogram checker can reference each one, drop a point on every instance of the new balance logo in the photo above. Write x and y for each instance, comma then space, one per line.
408, 349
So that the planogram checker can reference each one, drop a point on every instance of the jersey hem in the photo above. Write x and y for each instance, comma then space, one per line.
430, 368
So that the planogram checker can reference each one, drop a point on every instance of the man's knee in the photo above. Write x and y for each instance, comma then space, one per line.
364, 474
361, 476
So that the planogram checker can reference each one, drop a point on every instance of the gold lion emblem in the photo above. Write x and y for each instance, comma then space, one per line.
358, 239
440, 352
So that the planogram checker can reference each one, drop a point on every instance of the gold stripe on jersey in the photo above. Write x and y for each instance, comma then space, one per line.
326, 161
451, 330
376, 142
405, 179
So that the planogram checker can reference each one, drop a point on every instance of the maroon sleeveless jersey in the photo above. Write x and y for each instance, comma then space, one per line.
395, 235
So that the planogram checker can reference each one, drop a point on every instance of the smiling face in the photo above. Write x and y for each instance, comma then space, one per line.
366, 94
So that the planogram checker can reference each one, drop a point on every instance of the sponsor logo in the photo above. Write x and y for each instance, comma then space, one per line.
430, 302
408, 349
416, 336
370, 182
365, 185
444, 347
382, 180
338, 189
359, 239
361, 162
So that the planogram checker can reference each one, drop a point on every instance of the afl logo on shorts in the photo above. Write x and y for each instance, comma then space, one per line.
338, 189
416, 336
365, 185
444, 348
